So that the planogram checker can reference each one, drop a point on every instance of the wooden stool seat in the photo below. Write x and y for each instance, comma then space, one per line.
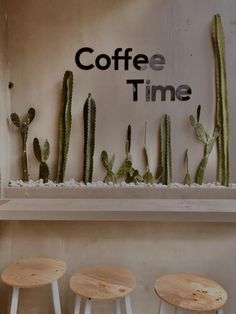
102, 282
191, 292
33, 272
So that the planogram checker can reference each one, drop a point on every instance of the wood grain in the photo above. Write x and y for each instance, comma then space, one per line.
102, 282
33, 272
191, 292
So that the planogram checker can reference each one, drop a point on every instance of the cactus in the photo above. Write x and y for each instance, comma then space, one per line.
89, 137
24, 128
165, 150
222, 113
147, 177
204, 137
108, 165
42, 157
126, 169
65, 125
187, 179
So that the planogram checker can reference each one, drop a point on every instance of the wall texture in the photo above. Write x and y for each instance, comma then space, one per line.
4, 97
44, 37
148, 249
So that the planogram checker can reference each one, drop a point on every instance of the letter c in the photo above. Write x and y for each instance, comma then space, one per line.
77, 58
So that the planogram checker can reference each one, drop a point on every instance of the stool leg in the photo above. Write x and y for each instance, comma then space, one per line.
128, 305
221, 311
56, 297
77, 304
117, 302
178, 311
88, 306
161, 307
14, 300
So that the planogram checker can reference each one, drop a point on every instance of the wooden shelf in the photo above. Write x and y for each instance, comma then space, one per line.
173, 210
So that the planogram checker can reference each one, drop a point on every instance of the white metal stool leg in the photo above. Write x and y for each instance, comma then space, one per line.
14, 300
221, 311
77, 304
161, 307
56, 297
88, 306
117, 303
178, 311
128, 305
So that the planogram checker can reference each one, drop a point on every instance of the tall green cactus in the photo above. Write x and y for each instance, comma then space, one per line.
42, 156
65, 125
165, 150
204, 137
89, 137
24, 128
222, 112
147, 177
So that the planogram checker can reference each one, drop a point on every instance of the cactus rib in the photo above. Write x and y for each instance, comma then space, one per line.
65, 125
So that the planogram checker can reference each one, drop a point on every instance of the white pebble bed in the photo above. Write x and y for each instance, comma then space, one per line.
100, 184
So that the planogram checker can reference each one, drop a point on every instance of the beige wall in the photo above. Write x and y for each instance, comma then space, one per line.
44, 37
4, 97
148, 249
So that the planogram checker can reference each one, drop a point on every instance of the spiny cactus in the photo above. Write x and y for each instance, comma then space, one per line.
132, 175
65, 125
89, 138
42, 156
222, 111
187, 179
24, 128
108, 165
147, 177
204, 137
165, 150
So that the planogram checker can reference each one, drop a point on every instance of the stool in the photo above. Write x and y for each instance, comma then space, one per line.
192, 292
102, 283
31, 273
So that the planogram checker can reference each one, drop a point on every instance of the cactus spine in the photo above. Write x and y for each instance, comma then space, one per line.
222, 114
24, 128
165, 150
65, 125
42, 156
204, 137
89, 137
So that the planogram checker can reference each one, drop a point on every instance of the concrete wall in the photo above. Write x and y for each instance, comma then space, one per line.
4, 96
44, 37
148, 249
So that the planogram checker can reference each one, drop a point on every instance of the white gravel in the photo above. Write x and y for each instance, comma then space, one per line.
100, 184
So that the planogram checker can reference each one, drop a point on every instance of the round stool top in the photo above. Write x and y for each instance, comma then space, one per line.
33, 272
102, 282
191, 292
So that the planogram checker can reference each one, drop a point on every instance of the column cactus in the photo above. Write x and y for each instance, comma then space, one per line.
147, 177
187, 179
165, 150
89, 114
65, 125
42, 156
222, 112
24, 128
208, 141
